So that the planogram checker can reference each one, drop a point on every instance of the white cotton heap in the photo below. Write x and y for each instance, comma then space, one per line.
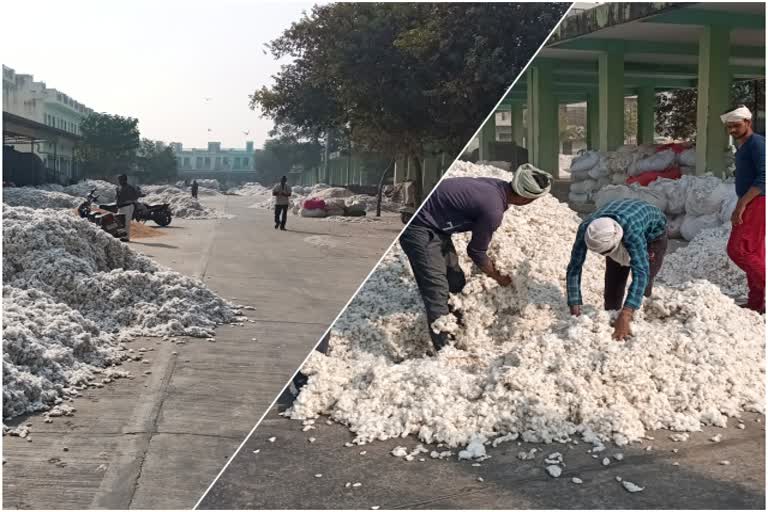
36, 198
523, 364
705, 258
72, 293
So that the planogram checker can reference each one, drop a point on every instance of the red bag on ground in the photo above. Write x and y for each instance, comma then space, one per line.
671, 173
314, 204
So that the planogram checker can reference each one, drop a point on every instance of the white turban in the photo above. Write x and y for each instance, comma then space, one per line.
603, 234
739, 114
524, 183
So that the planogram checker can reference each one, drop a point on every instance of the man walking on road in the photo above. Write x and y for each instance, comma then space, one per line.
458, 205
746, 246
282, 192
127, 195
632, 235
195, 188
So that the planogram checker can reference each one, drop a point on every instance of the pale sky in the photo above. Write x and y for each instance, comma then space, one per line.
155, 60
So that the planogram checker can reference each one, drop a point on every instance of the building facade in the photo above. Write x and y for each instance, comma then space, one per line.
34, 101
214, 159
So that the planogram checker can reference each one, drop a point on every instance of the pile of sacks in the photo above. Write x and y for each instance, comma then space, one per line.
72, 294
335, 201
691, 203
524, 366
641, 164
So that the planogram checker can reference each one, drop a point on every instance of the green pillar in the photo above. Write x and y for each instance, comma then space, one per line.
593, 122
487, 137
543, 129
518, 128
611, 92
713, 97
646, 108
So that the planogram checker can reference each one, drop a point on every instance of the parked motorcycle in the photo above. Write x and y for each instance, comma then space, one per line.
159, 213
112, 222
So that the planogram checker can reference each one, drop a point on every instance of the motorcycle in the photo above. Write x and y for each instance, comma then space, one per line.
112, 222
142, 212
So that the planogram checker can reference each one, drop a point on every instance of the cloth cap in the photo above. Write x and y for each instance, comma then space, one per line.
526, 185
738, 114
603, 234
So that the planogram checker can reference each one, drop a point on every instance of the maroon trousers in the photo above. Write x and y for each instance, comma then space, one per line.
746, 247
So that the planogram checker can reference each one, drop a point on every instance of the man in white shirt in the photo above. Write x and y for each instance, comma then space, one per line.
282, 193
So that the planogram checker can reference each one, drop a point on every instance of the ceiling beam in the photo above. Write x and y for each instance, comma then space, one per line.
730, 19
666, 48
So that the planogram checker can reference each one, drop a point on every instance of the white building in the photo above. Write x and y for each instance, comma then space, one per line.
214, 159
34, 101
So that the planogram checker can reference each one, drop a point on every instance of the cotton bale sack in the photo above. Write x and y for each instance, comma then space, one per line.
585, 162
705, 195
687, 158
726, 209
695, 224
578, 198
655, 197
673, 226
657, 162
584, 187
313, 213
599, 171
612, 193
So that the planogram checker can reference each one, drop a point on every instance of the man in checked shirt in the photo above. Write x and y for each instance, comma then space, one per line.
632, 235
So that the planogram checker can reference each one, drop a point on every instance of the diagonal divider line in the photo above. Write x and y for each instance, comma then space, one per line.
376, 266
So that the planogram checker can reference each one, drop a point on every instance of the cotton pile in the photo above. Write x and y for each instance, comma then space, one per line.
104, 190
35, 198
72, 293
182, 205
521, 363
706, 258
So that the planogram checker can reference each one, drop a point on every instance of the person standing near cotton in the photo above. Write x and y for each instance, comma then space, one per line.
746, 245
632, 235
282, 193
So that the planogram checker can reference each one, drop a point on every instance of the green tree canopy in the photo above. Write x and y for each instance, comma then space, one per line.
109, 144
280, 155
400, 77
676, 110
156, 161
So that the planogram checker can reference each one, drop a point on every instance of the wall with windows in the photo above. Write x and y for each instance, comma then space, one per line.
214, 158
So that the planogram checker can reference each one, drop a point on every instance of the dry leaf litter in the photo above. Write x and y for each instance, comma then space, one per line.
525, 366
72, 294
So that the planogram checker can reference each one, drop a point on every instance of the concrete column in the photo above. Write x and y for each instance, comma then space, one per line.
646, 108
714, 81
593, 122
611, 92
518, 127
543, 122
487, 138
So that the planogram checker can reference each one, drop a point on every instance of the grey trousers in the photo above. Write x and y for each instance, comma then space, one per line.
616, 276
435, 265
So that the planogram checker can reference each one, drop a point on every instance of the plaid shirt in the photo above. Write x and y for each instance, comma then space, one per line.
642, 223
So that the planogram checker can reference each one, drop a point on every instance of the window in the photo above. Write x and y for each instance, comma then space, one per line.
218, 162
186, 162
207, 162
245, 163
199, 162
237, 163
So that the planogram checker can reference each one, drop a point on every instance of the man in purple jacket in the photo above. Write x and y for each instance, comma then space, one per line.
458, 205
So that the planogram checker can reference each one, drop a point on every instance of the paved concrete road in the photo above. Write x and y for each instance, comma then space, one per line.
159, 439
282, 474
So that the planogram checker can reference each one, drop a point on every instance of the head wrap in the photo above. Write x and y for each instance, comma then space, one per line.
524, 182
735, 115
603, 234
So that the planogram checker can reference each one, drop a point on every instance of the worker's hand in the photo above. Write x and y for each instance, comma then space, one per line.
503, 280
576, 310
738, 213
621, 327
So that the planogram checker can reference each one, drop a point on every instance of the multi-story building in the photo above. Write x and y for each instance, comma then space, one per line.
33, 104
214, 160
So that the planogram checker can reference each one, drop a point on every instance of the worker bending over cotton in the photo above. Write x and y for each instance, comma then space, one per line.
632, 235
458, 205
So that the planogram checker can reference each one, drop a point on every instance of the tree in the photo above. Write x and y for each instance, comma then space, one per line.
109, 144
280, 155
398, 78
676, 110
156, 161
